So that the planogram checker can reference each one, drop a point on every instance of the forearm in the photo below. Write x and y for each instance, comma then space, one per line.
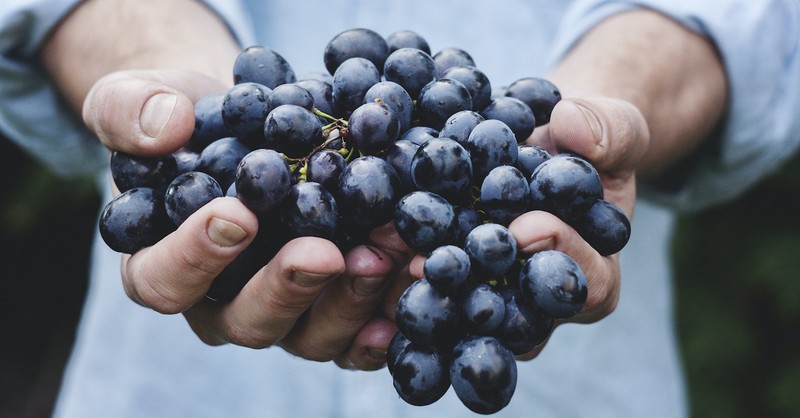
672, 75
103, 36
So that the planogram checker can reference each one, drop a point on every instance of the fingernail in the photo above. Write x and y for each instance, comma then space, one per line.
225, 233
156, 112
366, 286
377, 354
306, 279
545, 244
592, 120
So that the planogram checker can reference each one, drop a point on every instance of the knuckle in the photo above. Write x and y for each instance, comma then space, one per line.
249, 337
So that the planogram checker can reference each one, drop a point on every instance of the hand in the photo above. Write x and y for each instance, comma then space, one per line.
312, 306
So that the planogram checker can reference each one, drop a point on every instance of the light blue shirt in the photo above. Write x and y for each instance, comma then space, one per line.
132, 362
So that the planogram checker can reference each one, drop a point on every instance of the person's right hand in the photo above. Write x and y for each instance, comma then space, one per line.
309, 299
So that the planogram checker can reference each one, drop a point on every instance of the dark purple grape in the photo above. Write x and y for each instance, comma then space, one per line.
411, 68
358, 42
566, 186
394, 96
491, 144
310, 210
351, 81
476, 82
220, 159
421, 375
185, 160
399, 156
439, 100
263, 180
373, 127
428, 317
460, 125
605, 227
425, 221
505, 194
396, 346
514, 113
467, 218
419, 134
262, 65
130, 171
484, 309
208, 123
290, 94
538, 93
322, 92
188, 193
553, 283
447, 268
368, 191
444, 167
483, 374
134, 220
323, 76
407, 39
244, 109
492, 250
530, 156
523, 327
451, 57
292, 130
324, 167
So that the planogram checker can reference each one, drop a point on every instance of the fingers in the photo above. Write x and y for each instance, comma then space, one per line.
271, 303
146, 112
343, 308
176, 272
368, 349
537, 231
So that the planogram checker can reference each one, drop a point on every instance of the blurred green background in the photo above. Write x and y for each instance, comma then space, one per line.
737, 291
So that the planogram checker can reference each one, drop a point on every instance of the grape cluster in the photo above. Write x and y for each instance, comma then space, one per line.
391, 133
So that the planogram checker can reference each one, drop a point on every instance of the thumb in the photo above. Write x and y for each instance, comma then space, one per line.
146, 112
611, 133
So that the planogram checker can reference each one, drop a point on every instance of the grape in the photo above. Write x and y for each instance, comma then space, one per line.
523, 328
421, 375
514, 113
447, 268
492, 249
399, 156
424, 220
394, 96
491, 144
396, 346
504, 194
460, 125
566, 186
476, 82
410, 68
407, 39
427, 317
358, 42
444, 167
373, 127
605, 227
529, 157
290, 94
310, 210
130, 171
351, 81
553, 283
419, 134
484, 309
208, 123
322, 93
185, 160
244, 109
440, 99
324, 167
292, 130
220, 159
368, 190
467, 218
188, 193
538, 93
262, 65
134, 220
451, 57
483, 374
263, 180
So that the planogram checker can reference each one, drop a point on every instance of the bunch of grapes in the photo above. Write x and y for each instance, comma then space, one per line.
391, 133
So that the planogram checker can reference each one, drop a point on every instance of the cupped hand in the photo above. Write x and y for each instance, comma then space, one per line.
309, 299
